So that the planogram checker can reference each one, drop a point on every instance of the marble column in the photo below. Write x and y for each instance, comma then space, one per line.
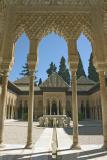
30, 110
57, 107
44, 108
63, 109
104, 105
50, 107
3, 105
73, 60
22, 109
12, 114
74, 111
32, 62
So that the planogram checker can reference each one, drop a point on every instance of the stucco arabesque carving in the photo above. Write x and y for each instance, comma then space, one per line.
39, 25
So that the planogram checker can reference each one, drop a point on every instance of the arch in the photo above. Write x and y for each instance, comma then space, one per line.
54, 107
89, 32
17, 65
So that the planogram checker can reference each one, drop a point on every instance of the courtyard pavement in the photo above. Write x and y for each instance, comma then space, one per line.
90, 139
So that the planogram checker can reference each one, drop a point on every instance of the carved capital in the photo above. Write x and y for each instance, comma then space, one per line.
72, 46
100, 66
73, 58
32, 58
6, 65
73, 62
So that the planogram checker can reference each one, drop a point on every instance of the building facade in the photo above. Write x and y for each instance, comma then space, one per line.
53, 97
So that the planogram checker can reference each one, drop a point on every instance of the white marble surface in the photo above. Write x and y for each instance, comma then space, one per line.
42, 149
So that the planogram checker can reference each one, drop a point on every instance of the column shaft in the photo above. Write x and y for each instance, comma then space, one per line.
58, 107
50, 108
104, 105
74, 109
3, 104
44, 109
63, 109
30, 110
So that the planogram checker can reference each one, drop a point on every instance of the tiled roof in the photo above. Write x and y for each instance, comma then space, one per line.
54, 80
85, 81
23, 80
84, 84
26, 88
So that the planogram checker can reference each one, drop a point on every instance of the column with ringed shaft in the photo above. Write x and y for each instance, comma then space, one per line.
6, 62
5, 68
3, 104
73, 64
32, 62
103, 94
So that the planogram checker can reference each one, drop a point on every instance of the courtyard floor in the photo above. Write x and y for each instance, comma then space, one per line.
90, 139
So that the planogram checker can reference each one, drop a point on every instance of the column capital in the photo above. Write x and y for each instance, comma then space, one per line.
100, 66
6, 66
73, 62
73, 58
33, 55
72, 46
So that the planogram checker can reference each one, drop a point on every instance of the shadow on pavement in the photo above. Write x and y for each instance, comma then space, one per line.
83, 155
80, 155
87, 128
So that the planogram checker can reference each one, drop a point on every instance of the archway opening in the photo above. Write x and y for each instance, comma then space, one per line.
54, 108
20, 57
51, 48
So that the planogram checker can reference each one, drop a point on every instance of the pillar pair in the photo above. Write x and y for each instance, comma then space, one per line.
32, 61
103, 93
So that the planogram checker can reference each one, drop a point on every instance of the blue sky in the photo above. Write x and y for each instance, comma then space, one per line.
51, 48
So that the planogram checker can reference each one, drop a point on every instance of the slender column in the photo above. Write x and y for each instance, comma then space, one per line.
75, 110
22, 109
63, 109
30, 110
8, 111
73, 62
6, 108
57, 107
44, 108
32, 61
104, 105
85, 111
3, 104
12, 113
50, 107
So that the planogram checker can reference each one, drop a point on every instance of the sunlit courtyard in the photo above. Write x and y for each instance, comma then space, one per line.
53, 79
90, 139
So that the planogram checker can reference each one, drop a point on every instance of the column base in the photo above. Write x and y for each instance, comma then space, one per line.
54, 155
29, 146
2, 145
104, 147
75, 147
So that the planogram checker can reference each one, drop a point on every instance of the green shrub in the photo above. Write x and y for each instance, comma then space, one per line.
80, 116
25, 116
